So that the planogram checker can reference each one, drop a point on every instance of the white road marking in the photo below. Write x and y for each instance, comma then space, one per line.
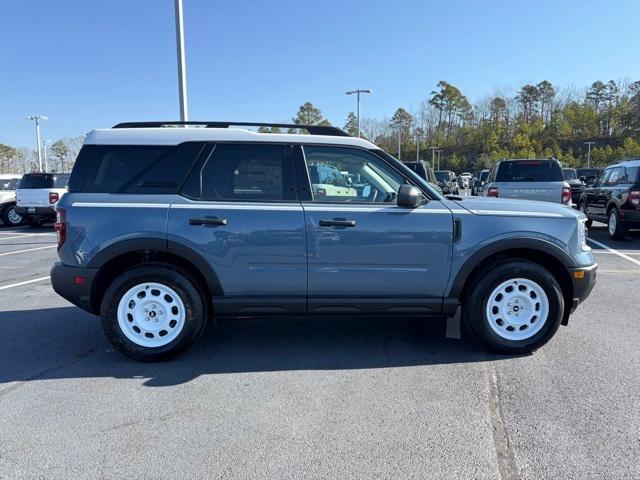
613, 250
4, 287
21, 232
23, 236
27, 250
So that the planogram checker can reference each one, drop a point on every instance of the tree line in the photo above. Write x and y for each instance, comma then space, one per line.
60, 155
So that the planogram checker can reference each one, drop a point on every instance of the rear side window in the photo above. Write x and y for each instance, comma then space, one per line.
136, 168
244, 172
36, 180
632, 175
529, 171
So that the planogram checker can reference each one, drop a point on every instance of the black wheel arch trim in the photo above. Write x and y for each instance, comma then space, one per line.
160, 244
498, 246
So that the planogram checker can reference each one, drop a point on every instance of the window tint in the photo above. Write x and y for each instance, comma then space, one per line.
60, 180
633, 175
138, 168
37, 180
340, 174
569, 173
9, 183
255, 172
603, 178
614, 176
529, 171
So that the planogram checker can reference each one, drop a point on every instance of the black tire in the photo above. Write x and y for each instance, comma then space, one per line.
474, 311
9, 219
620, 231
189, 293
583, 209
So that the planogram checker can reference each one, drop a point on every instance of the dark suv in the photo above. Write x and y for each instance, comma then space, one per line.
614, 198
164, 228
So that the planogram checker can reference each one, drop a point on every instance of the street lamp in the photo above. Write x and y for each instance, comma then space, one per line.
433, 156
182, 68
358, 91
37, 119
398, 125
589, 153
439, 152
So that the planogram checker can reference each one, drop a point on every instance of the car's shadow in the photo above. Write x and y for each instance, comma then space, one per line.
598, 232
68, 343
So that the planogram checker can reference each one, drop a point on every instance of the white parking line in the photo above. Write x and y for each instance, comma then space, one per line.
25, 282
23, 236
613, 250
27, 250
21, 232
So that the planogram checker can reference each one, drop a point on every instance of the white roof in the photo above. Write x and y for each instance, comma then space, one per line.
174, 136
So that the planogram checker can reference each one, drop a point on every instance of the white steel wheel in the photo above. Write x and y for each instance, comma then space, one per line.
613, 222
517, 309
14, 217
151, 314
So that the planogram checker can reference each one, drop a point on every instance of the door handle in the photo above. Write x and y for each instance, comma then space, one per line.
207, 221
337, 223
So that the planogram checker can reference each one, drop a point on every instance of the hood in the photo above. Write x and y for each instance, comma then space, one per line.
518, 208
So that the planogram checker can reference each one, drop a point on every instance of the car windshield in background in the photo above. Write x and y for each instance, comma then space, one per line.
36, 180
11, 184
484, 175
569, 173
442, 176
588, 172
529, 171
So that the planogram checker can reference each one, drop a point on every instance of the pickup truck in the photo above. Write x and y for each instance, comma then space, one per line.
8, 184
37, 195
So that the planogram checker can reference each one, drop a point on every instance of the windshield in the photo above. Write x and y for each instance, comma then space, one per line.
442, 176
9, 183
484, 174
529, 171
569, 174
36, 180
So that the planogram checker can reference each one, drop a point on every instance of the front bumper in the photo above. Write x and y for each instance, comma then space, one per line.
63, 280
583, 279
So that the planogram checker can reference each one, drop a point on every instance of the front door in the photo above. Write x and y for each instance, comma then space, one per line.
239, 212
366, 254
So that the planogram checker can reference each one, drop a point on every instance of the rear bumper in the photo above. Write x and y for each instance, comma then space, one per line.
48, 212
63, 282
630, 218
583, 279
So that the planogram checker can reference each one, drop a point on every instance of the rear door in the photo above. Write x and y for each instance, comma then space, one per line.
366, 254
595, 195
239, 212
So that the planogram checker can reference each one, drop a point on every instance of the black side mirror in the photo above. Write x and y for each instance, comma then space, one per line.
410, 196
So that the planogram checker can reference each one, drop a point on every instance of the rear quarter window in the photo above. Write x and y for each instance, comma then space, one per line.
134, 168
529, 171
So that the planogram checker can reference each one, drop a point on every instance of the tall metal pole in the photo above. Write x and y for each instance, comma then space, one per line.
417, 147
439, 152
399, 142
37, 119
433, 156
358, 91
46, 159
589, 153
182, 69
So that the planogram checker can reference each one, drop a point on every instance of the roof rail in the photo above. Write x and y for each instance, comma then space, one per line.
312, 129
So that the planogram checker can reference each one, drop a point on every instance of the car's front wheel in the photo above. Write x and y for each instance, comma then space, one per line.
617, 231
153, 313
11, 217
515, 307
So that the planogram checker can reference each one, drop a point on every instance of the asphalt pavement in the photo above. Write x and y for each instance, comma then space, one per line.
321, 398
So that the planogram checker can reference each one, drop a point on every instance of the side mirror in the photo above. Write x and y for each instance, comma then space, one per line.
409, 196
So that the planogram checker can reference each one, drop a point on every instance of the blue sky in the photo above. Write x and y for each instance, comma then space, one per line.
90, 64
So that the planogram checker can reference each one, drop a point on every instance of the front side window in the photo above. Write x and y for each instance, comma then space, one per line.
249, 172
339, 174
614, 176
602, 179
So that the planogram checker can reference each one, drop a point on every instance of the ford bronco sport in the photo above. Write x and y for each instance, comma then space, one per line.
164, 228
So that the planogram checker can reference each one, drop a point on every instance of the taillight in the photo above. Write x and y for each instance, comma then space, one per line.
634, 198
492, 192
53, 197
566, 195
61, 225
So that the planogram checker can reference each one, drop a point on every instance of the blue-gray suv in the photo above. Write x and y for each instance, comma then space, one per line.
168, 225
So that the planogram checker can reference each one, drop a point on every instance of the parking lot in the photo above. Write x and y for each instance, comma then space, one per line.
320, 398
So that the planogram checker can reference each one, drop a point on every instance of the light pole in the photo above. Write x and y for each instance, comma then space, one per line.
433, 156
417, 146
46, 156
589, 153
358, 91
439, 152
37, 118
182, 69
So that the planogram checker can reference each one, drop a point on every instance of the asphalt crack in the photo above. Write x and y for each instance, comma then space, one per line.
504, 453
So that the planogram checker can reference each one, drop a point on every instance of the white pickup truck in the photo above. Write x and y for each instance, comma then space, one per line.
38, 194
8, 185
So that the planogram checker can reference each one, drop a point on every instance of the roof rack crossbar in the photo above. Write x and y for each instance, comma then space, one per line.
312, 129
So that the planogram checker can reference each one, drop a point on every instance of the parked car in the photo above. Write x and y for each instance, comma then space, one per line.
8, 184
448, 182
164, 228
575, 184
528, 179
588, 175
424, 171
328, 181
478, 184
614, 198
37, 195
465, 180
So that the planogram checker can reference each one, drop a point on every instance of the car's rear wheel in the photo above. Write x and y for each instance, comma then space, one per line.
11, 217
153, 313
617, 231
583, 209
515, 307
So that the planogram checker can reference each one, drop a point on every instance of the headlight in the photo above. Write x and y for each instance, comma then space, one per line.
582, 234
